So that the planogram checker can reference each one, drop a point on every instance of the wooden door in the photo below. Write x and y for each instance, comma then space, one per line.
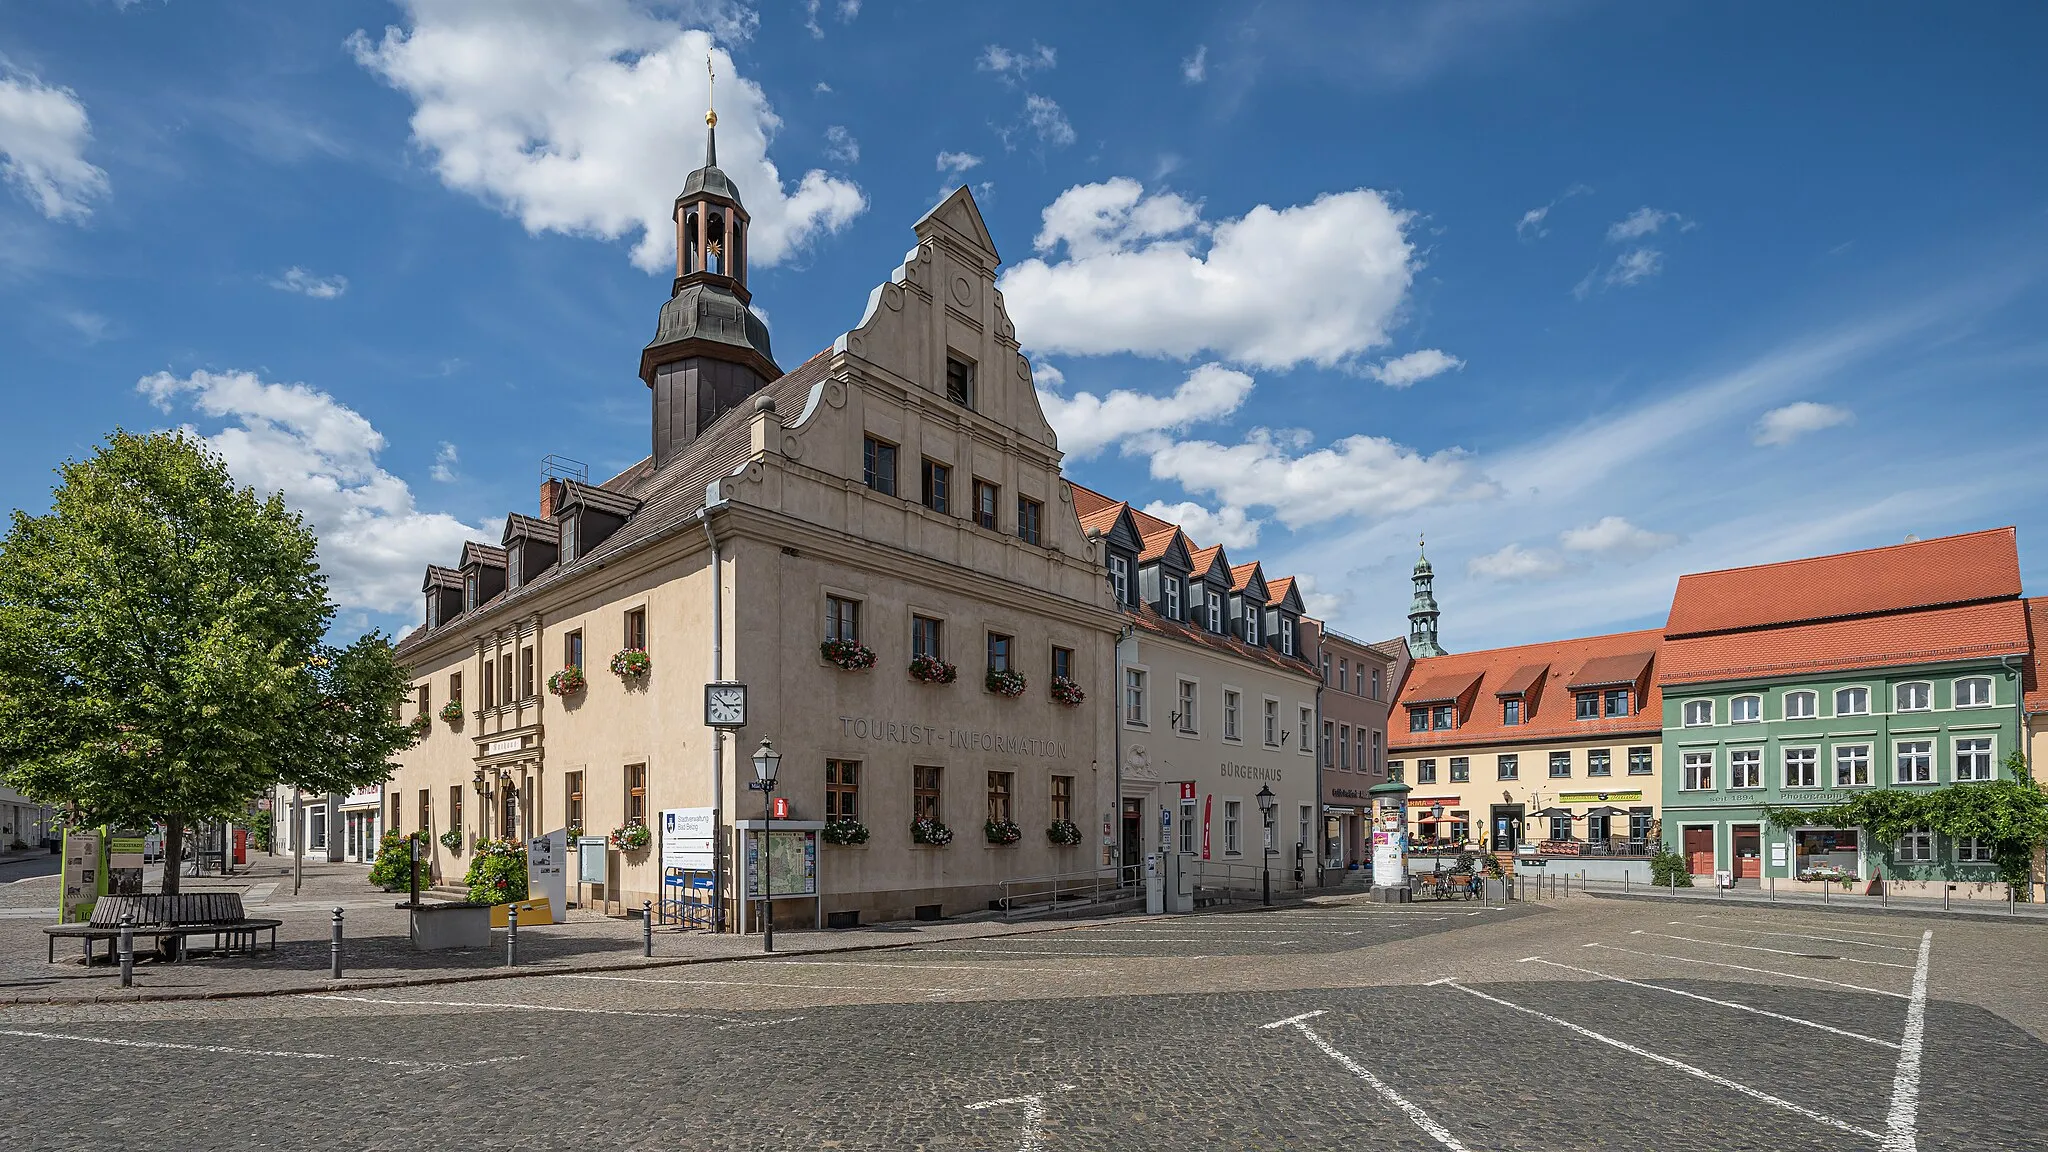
1698, 845
1747, 841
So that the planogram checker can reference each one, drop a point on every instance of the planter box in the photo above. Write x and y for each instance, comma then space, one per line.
450, 925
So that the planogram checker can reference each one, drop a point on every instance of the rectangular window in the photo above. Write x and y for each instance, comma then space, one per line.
1442, 717
1329, 744
878, 465
1746, 768
1589, 705
1186, 722
1598, 763
1852, 765
1461, 766
1172, 590
1974, 692
999, 797
1598, 827
1511, 712
1699, 713
842, 789
512, 555
636, 628
1134, 696
1215, 612
1062, 663
1376, 759
490, 683
1915, 847
572, 799
1301, 734
1272, 722
636, 793
1974, 850
1912, 697
960, 381
1187, 827
526, 672
567, 543
455, 687
505, 678
1560, 827
842, 619
924, 793
1233, 827
455, 808
924, 638
985, 497
1425, 771
1418, 719
469, 592
1800, 705
1852, 702
1915, 761
1343, 674
998, 652
1375, 683
1030, 514
1251, 624
1229, 715
1745, 710
1063, 798
1639, 762
1120, 578
1343, 745
1802, 768
426, 801
1698, 772
421, 704
938, 479
1287, 635
1560, 765
1394, 771
1620, 702
572, 650
1973, 759
1507, 766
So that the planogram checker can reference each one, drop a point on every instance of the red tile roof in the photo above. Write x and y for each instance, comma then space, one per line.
1102, 519
2034, 677
1149, 620
1443, 687
1277, 590
1241, 576
1973, 631
1627, 668
1087, 500
1156, 541
1522, 679
1548, 712
1205, 557
1919, 574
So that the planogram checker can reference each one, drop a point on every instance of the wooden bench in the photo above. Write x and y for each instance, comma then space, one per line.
170, 919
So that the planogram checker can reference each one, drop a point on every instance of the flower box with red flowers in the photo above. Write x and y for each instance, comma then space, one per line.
851, 655
932, 670
1067, 690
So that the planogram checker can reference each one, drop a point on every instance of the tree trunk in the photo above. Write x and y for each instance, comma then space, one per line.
174, 849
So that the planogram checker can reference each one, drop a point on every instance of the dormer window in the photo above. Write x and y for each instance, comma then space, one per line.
434, 609
1287, 635
1120, 578
568, 538
1173, 597
1511, 712
469, 592
1215, 611
512, 566
960, 381
1251, 624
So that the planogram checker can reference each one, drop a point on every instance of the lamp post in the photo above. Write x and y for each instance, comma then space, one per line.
766, 762
1266, 802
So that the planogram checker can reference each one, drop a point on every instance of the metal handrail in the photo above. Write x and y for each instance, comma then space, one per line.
1067, 885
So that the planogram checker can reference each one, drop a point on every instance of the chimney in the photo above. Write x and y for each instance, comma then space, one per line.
550, 497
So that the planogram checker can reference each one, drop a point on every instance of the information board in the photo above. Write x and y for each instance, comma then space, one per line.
590, 860
686, 838
547, 872
793, 858
82, 879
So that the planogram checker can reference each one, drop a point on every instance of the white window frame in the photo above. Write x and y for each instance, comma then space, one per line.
1691, 765
1215, 602
1691, 709
1924, 759
1286, 635
1925, 691
1755, 708
1852, 757
1251, 623
1807, 696
1975, 850
1271, 718
1844, 691
1120, 578
1990, 692
1306, 735
1745, 769
1173, 597
1989, 763
1188, 694
1134, 696
1812, 765
1233, 715
1914, 846
1233, 826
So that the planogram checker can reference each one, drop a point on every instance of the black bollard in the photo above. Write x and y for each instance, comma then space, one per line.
512, 935
647, 927
334, 948
127, 950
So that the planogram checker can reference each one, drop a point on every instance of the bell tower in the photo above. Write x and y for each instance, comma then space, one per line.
1422, 611
710, 351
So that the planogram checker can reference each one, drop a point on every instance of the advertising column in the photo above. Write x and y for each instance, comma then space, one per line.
1390, 837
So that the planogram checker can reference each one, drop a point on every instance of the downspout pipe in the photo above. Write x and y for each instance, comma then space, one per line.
2019, 704
717, 734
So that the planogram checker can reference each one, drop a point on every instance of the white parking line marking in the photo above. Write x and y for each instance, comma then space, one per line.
1191, 930
1710, 1000
1677, 1065
1163, 938
1805, 924
1040, 953
228, 1050
907, 966
1794, 935
524, 1007
1774, 951
740, 983
1413, 1111
1747, 968
1902, 1118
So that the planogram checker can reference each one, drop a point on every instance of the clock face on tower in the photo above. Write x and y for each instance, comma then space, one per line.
725, 705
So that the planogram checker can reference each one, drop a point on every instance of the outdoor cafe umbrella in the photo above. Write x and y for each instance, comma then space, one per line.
1556, 812
1607, 810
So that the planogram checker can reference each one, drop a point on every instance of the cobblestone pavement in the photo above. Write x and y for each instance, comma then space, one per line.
1587, 1023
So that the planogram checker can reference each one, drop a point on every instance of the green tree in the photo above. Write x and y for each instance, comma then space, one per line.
163, 651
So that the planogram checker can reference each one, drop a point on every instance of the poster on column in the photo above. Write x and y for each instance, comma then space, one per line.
547, 872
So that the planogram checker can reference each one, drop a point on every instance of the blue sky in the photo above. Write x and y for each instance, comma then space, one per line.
1592, 293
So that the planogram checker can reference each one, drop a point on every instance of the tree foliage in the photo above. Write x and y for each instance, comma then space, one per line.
163, 651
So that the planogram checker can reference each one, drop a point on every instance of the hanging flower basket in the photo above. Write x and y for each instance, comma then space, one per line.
452, 712
845, 830
1002, 832
574, 834
848, 654
567, 682
631, 837
1005, 682
1064, 832
452, 840
932, 670
930, 831
419, 727
631, 664
1067, 690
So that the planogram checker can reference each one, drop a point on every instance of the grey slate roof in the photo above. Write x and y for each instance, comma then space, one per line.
709, 311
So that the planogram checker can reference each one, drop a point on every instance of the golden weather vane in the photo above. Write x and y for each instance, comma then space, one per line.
710, 93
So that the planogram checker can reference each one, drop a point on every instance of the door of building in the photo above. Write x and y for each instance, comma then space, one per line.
1747, 842
1698, 845
1134, 831
1507, 827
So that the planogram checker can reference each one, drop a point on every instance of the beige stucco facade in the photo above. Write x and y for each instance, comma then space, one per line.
1357, 693
1483, 798
794, 519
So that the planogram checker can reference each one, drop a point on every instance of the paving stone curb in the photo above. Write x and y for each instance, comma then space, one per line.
2034, 917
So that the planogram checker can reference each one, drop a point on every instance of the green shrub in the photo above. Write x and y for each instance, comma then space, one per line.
393, 855
497, 872
1668, 869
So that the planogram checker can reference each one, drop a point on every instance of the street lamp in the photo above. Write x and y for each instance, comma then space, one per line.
1266, 802
767, 761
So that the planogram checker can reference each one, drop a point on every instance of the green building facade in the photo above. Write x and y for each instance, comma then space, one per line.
1733, 746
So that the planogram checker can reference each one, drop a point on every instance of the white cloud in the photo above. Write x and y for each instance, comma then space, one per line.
1413, 367
841, 146
91, 325
1630, 268
1086, 423
1530, 226
1043, 115
43, 134
821, 88
1047, 377
1227, 526
1515, 563
1195, 69
1318, 282
445, 460
1644, 221
307, 284
1318, 603
954, 163
848, 9
1614, 535
291, 438
1781, 426
572, 119
1368, 477
1013, 66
